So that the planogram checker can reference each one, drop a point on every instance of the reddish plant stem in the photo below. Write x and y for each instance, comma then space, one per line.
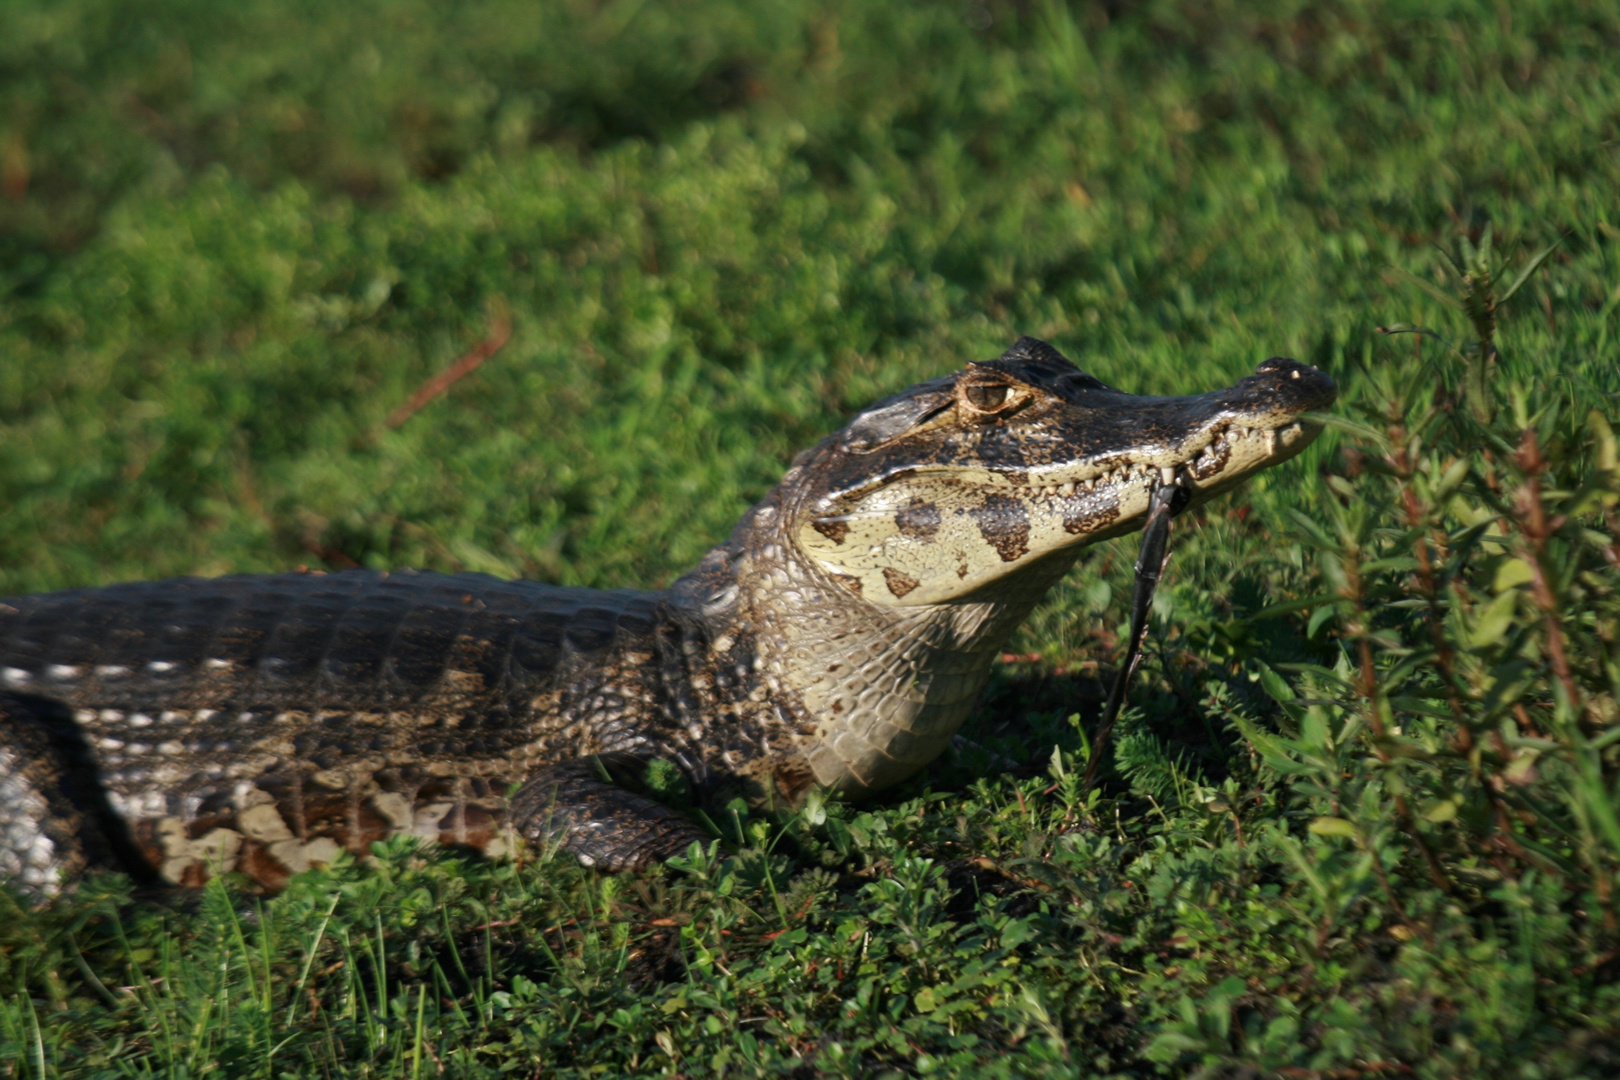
1417, 519
1367, 687
1537, 529
1368, 677
500, 330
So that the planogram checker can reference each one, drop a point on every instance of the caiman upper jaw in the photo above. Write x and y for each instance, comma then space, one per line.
1281, 387
939, 491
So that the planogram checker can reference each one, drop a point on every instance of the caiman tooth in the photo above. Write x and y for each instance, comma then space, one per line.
1067, 489
1270, 436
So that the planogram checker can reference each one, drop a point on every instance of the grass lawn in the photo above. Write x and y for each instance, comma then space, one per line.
1362, 821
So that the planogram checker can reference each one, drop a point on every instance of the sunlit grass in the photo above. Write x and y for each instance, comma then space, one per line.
233, 243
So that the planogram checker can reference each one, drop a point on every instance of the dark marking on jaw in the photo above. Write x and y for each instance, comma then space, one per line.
1004, 524
1087, 517
961, 571
850, 582
831, 528
919, 521
899, 584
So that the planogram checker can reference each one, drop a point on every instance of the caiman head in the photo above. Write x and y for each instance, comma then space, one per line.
939, 491
878, 581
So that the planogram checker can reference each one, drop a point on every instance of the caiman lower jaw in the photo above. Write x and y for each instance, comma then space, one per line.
1239, 452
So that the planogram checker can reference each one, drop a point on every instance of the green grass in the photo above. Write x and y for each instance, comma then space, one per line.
1363, 822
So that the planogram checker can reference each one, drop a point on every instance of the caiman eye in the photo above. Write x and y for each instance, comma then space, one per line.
988, 397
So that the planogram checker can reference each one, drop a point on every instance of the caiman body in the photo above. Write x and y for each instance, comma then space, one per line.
262, 723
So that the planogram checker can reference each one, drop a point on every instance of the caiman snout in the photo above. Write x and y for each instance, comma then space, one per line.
1298, 387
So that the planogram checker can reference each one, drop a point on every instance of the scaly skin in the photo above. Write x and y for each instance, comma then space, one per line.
261, 724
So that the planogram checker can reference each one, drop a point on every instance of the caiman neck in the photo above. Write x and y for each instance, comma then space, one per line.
879, 689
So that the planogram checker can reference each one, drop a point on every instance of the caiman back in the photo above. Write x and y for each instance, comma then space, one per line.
263, 723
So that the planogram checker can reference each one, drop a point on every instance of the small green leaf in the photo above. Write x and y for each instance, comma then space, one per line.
1494, 623
1428, 286
1524, 275
1343, 486
1522, 769
1608, 453
1511, 574
1452, 478
1288, 606
1313, 529
1274, 684
1344, 423
1334, 826
1397, 747
1443, 810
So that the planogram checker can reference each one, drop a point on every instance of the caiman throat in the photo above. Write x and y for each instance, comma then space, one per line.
263, 723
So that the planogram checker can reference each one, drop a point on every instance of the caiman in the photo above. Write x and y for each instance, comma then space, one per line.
263, 723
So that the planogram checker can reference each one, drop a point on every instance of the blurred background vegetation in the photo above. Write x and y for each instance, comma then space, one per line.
233, 238
1363, 822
